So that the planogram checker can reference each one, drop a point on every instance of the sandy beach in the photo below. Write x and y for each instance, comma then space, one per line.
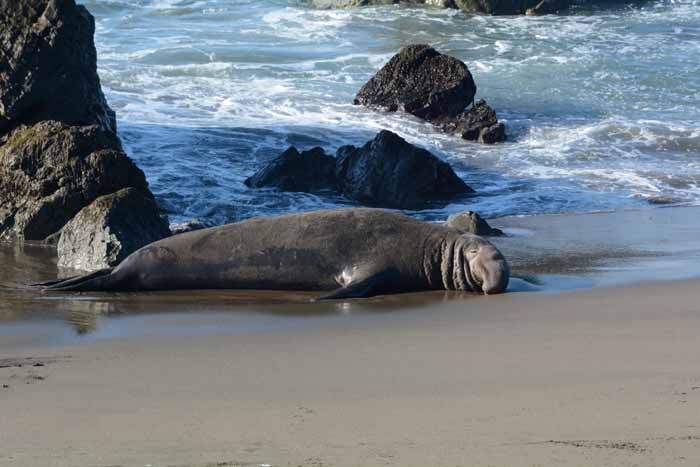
599, 371
599, 377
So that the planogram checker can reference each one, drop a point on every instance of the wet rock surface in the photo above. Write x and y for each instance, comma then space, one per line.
491, 7
51, 170
386, 172
421, 81
308, 171
112, 227
390, 172
478, 123
48, 65
435, 87
59, 151
471, 222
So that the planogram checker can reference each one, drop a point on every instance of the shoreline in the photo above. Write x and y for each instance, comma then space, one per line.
547, 253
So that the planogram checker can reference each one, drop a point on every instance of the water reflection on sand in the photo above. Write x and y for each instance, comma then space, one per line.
547, 253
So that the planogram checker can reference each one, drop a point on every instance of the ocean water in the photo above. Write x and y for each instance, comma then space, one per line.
602, 106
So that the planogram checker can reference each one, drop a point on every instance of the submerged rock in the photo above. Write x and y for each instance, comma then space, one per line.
50, 171
471, 222
112, 227
48, 65
422, 82
390, 172
307, 171
478, 123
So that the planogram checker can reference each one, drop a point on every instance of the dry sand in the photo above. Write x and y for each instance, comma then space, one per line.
608, 376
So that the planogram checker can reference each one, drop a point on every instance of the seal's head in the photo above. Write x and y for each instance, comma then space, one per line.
489, 270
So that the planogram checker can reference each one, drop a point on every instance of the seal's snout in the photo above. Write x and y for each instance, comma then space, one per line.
490, 270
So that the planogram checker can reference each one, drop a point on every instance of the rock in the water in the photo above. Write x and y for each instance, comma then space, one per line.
435, 87
112, 227
308, 171
478, 123
50, 171
548, 7
471, 222
390, 172
422, 82
48, 65
356, 3
189, 226
492, 7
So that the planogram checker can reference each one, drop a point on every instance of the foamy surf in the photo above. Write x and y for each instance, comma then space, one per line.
602, 107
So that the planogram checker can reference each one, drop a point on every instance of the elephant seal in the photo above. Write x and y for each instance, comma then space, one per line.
356, 252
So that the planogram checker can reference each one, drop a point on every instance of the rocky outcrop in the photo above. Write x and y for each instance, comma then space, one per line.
387, 171
421, 81
112, 227
390, 172
492, 7
51, 170
48, 65
59, 150
478, 123
308, 171
471, 222
435, 87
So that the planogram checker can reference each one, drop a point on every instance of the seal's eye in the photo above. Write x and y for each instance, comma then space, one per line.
473, 252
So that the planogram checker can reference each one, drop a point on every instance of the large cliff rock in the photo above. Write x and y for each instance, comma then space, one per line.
51, 170
48, 65
59, 150
112, 227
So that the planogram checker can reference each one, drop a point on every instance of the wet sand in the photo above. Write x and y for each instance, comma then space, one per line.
607, 376
553, 373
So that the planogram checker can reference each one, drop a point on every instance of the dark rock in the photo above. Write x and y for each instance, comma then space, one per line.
110, 229
189, 226
309, 171
548, 7
493, 134
492, 7
478, 123
50, 171
434, 87
48, 65
390, 172
471, 222
422, 82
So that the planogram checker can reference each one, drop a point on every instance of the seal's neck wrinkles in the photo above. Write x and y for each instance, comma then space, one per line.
454, 267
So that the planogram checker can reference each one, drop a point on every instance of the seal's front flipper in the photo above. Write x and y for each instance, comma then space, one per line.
362, 288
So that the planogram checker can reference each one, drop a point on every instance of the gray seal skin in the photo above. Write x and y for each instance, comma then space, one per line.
356, 252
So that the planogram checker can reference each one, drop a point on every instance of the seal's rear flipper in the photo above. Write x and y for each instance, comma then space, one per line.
360, 289
94, 282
